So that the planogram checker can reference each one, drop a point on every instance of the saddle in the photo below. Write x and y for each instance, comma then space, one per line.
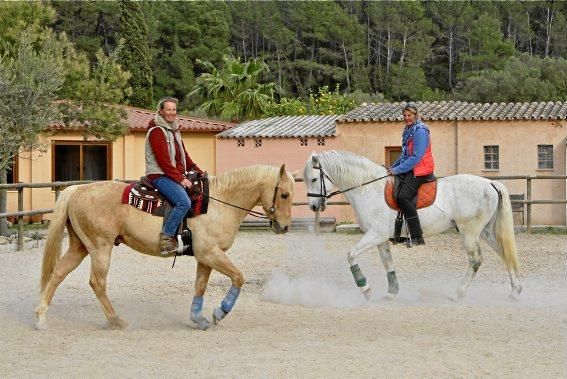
145, 197
425, 194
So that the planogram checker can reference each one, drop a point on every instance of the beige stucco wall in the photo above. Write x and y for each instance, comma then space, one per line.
276, 151
458, 148
127, 154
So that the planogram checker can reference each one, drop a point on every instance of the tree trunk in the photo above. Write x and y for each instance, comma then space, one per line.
3, 203
345, 54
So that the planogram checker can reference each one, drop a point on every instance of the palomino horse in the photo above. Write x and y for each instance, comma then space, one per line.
476, 206
96, 218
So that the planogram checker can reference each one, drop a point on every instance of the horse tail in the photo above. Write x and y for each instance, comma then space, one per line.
52, 250
504, 228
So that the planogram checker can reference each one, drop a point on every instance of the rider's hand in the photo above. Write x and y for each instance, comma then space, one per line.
185, 183
390, 172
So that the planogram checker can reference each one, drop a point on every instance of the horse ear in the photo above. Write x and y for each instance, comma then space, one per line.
314, 158
282, 171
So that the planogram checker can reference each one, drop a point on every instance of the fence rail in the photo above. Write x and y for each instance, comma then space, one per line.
59, 185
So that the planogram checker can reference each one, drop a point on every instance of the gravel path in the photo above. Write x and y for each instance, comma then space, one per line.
299, 314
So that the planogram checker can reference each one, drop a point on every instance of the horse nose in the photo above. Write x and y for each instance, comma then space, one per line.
313, 208
285, 229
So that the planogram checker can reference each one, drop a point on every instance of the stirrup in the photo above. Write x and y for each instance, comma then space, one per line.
398, 240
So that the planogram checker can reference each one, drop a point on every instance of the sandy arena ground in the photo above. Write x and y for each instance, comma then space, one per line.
299, 314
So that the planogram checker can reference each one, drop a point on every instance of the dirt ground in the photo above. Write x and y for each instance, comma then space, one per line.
299, 314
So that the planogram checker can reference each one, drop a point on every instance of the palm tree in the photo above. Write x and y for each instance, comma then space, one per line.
233, 91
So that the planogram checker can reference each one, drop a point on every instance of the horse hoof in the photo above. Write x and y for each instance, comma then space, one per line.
202, 324
457, 297
218, 315
41, 325
116, 323
367, 292
515, 293
391, 296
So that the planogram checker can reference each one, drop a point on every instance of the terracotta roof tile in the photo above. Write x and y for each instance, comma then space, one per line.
457, 110
138, 119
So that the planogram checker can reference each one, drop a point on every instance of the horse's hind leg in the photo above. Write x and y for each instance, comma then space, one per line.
490, 238
387, 261
201, 280
472, 246
100, 262
68, 262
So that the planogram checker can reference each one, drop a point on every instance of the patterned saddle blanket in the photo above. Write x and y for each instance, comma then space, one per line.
145, 197
425, 194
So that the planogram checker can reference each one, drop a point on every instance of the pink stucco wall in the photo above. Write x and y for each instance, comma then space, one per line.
276, 151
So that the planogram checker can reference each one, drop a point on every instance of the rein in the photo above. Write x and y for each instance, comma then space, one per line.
323, 175
251, 212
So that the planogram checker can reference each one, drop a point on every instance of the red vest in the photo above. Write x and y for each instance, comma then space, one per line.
426, 165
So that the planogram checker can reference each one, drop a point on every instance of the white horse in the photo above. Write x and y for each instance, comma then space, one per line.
476, 206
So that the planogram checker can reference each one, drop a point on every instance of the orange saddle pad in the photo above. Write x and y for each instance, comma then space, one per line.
425, 194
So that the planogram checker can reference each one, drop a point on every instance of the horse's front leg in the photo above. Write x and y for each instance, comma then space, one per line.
201, 281
366, 242
218, 260
387, 261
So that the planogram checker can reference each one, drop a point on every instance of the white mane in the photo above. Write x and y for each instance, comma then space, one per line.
347, 169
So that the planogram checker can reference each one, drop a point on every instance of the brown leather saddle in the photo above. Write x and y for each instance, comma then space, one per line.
145, 197
425, 194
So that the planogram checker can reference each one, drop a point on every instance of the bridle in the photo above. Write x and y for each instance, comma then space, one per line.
323, 192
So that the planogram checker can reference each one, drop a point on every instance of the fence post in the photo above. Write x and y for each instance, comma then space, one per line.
20, 219
317, 226
529, 205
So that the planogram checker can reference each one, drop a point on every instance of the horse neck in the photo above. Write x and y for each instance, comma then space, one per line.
350, 171
242, 187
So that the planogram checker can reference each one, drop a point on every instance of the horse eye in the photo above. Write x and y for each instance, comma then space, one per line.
313, 180
285, 195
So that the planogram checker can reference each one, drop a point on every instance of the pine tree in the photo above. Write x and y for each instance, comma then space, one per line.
135, 54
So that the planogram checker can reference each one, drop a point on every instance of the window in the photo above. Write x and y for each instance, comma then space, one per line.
258, 142
240, 142
320, 141
545, 156
12, 171
392, 153
81, 161
303, 141
491, 157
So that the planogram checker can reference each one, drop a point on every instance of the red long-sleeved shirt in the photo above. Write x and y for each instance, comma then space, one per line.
160, 148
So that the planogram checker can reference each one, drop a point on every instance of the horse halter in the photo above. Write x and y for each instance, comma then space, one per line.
272, 211
323, 192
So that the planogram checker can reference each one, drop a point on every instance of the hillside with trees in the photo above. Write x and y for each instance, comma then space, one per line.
371, 51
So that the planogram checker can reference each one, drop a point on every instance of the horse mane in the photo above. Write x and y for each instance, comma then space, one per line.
244, 179
348, 169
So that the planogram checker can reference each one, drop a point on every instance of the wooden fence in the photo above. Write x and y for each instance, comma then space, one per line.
528, 201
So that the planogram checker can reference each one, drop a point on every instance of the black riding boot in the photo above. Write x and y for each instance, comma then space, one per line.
398, 230
415, 230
